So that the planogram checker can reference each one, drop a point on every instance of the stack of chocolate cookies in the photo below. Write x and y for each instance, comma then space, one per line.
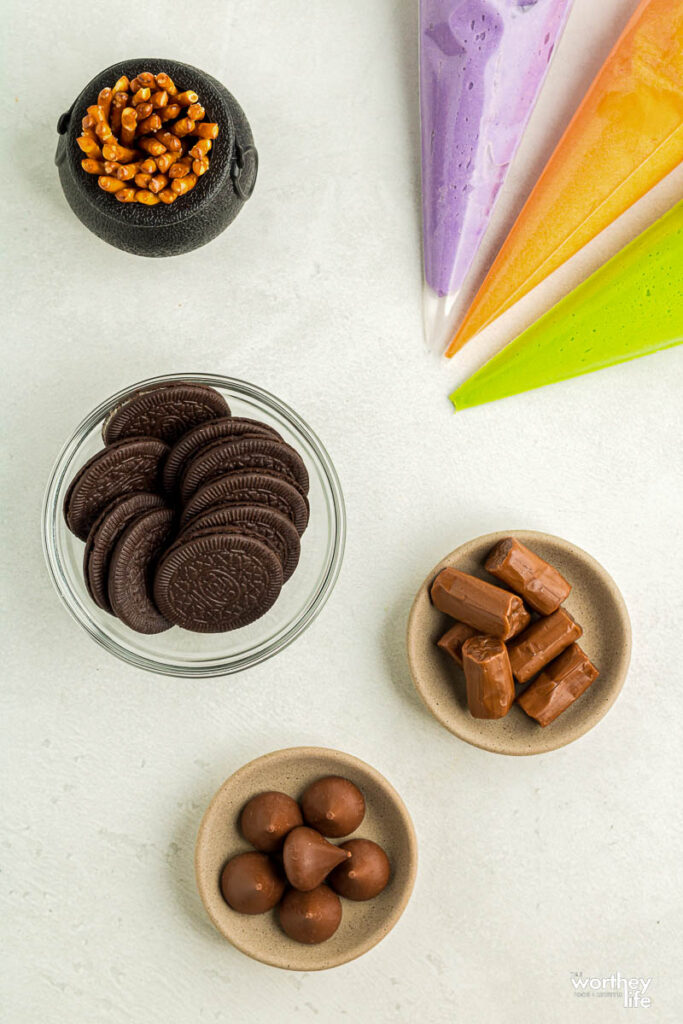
190, 516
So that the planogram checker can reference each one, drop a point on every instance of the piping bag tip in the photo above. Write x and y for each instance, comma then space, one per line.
460, 337
439, 317
460, 400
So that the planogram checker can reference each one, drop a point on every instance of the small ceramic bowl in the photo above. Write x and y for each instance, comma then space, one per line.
596, 604
178, 652
192, 220
363, 925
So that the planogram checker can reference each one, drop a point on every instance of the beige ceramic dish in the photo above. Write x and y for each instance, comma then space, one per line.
596, 604
386, 821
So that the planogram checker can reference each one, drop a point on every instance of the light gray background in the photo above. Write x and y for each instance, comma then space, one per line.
530, 868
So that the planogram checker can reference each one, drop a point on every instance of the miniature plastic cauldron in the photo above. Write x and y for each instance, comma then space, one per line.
195, 218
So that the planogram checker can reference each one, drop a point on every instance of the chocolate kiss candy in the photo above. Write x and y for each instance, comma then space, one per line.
267, 818
366, 873
251, 884
333, 806
310, 917
308, 858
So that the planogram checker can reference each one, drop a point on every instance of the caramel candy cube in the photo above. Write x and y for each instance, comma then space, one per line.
490, 687
487, 609
453, 639
558, 686
536, 647
541, 586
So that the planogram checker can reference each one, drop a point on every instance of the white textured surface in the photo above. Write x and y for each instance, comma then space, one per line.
530, 869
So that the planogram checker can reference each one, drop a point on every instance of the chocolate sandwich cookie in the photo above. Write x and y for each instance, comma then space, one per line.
132, 567
266, 524
103, 537
124, 467
217, 582
256, 454
192, 535
250, 489
190, 443
166, 411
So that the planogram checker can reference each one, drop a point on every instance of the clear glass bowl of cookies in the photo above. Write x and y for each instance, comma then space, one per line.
180, 651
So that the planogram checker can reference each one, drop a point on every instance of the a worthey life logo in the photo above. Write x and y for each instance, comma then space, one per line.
633, 991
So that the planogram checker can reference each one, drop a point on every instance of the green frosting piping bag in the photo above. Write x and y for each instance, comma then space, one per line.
630, 307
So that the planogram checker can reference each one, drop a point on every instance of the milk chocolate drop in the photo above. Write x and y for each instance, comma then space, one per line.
251, 884
333, 806
267, 818
308, 858
310, 917
365, 874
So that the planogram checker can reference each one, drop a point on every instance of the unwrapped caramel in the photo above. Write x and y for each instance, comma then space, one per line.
558, 686
485, 608
490, 687
536, 647
541, 586
496, 643
453, 639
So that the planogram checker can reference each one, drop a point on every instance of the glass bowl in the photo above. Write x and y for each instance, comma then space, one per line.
178, 652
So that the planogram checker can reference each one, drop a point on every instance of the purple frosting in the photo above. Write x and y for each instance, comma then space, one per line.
482, 64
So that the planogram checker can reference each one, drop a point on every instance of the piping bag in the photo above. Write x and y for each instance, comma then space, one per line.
482, 65
626, 136
630, 307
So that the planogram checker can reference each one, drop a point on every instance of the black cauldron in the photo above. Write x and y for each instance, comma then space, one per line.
192, 220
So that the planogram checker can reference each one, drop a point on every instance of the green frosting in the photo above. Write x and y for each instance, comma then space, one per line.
630, 307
